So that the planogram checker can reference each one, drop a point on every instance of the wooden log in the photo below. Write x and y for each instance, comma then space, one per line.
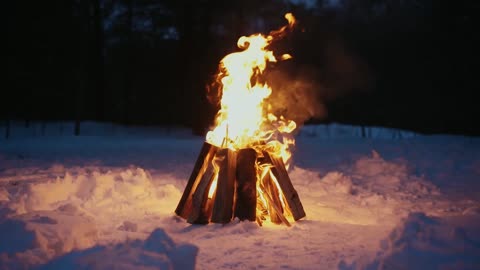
205, 158
291, 195
199, 210
272, 190
262, 212
273, 209
246, 189
223, 202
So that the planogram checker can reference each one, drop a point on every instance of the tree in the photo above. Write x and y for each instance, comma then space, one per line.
97, 61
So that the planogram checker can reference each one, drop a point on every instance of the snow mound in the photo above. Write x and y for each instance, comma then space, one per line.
393, 179
38, 236
337, 182
3, 194
45, 219
158, 251
424, 242
336, 130
96, 192
78, 203
370, 191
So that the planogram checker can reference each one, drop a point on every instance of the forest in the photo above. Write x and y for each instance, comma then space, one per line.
404, 64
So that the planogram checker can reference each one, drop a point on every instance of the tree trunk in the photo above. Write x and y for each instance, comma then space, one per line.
7, 129
43, 126
79, 89
127, 117
98, 60
76, 131
184, 66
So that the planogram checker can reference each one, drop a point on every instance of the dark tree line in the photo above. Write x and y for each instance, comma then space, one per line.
408, 64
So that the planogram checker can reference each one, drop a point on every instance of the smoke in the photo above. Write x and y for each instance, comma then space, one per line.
301, 91
296, 98
344, 71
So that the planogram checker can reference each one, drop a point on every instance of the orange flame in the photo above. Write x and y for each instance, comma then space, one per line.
243, 119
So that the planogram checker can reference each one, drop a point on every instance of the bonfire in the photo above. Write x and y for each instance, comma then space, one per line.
241, 171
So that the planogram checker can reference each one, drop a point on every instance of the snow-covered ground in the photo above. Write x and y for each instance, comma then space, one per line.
105, 200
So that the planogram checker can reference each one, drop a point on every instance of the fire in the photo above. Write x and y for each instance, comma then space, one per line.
213, 186
244, 122
241, 171
244, 119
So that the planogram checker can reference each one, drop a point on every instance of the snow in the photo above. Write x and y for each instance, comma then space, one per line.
158, 251
105, 200
431, 242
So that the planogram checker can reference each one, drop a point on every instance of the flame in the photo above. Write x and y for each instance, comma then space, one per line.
243, 119
213, 186
280, 195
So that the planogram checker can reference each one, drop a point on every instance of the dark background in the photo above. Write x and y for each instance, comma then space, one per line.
405, 64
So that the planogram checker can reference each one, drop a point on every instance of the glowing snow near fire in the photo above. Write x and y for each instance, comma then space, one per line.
105, 202
244, 119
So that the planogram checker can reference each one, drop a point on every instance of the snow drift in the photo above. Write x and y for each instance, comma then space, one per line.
102, 202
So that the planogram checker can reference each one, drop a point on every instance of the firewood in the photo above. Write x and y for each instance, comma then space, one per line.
274, 194
291, 195
246, 190
199, 212
262, 211
205, 157
259, 221
273, 209
223, 202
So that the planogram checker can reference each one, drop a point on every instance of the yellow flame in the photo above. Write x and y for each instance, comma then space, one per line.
213, 186
290, 19
280, 194
262, 198
243, 120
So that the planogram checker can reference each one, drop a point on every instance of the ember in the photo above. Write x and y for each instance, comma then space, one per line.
242, 168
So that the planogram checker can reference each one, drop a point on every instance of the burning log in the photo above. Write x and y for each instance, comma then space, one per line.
291, 195
275, 205
240, 172
203, 161
223, 202
246, 188
199, 210
225, 185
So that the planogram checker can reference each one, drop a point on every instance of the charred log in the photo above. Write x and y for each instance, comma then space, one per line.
199, 210
223, 200
272, 191
246, 190
291, 196
204, 159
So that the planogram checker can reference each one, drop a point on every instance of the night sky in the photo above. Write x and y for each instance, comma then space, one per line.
404, 64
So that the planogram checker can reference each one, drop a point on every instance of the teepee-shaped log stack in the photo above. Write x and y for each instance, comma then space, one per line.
225, 184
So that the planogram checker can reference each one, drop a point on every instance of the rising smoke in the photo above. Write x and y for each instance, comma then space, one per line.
302, 92
295, 97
